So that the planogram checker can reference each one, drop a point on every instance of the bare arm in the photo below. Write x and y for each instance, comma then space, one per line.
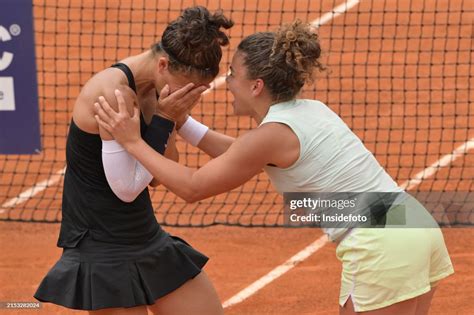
271, 143
215, 143
130, 101
243, 160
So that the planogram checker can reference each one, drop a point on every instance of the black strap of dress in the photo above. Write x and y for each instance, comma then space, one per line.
159, 130
128, 73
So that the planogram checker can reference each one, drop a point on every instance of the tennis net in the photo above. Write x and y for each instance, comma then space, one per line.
399, 74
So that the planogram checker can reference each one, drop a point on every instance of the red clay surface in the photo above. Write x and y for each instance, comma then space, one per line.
239, 256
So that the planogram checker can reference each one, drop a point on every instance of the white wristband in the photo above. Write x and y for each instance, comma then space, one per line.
193, 131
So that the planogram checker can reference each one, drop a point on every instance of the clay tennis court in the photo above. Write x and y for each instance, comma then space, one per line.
399, 74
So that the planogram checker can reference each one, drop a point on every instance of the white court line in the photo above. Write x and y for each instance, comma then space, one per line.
433, 168
320, 242
277, 272
340, 9
215, 84
30, 192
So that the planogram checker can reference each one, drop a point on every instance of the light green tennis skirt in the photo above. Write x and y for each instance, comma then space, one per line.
383, 266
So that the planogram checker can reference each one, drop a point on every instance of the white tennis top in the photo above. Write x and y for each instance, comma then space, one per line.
332, 158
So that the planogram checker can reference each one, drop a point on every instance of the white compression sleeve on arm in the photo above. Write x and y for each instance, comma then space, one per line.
126, 176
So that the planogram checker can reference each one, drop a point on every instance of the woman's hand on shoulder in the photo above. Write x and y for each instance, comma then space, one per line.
121, 122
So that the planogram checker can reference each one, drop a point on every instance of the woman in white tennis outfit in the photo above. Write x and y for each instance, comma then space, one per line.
304, 147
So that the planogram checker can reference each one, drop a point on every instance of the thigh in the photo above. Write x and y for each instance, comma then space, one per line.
197, 297
424, 302
138, 310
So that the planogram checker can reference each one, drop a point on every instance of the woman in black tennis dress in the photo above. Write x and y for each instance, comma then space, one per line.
116, 258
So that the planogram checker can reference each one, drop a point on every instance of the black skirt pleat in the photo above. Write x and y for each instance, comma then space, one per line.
96, 275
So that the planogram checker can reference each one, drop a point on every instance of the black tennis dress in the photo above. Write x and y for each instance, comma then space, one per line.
115, 254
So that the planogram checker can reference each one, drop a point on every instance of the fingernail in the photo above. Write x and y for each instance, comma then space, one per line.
117, 91
101, 98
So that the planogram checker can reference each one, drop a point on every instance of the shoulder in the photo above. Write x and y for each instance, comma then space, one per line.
104, 83
273, 128
276, 131
101, 84
268, 138
129, 95
271, 143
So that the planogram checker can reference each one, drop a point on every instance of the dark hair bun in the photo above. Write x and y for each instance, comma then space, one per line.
285, 59
193, 41
199, 25
297, 45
